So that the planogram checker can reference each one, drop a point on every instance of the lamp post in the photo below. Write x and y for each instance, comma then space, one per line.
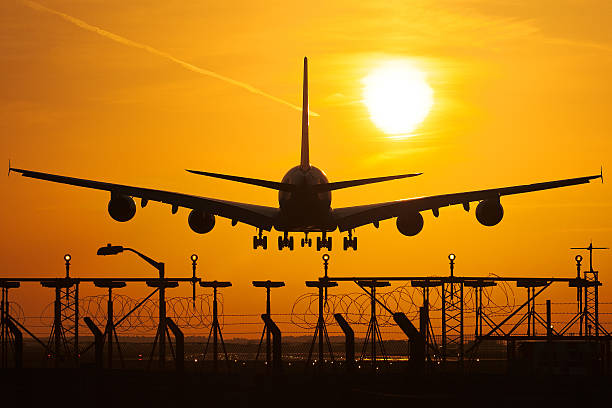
162, 284
194, 260
117, 249
67, 258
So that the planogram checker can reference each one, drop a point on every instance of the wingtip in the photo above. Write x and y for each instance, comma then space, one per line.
601, 174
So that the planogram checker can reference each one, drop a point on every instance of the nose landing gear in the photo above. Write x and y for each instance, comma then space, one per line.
285, 242
324, 242
259, 240
306, 241
350, 242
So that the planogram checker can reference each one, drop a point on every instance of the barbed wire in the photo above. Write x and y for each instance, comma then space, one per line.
182, 310
356, 307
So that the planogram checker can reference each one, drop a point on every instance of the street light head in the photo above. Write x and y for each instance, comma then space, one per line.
110, 250
578, 258
326, 257
67, 257
194, 257
451, 257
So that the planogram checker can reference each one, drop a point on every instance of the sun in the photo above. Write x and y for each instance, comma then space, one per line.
398, 97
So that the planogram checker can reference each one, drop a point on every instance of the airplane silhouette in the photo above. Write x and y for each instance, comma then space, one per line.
304, 197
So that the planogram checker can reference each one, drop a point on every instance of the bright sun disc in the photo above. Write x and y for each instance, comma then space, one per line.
398, 97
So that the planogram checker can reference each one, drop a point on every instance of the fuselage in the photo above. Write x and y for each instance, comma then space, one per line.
305, 209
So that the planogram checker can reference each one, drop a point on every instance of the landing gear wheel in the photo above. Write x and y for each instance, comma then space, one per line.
319, 243
354, 244
329, 244
309, 242
264, 244
290, 244
280, 243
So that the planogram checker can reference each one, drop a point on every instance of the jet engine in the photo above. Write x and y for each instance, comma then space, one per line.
121, 207
489, 212
201, 222
410, 224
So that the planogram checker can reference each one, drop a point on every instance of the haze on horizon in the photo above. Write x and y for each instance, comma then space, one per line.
521, 94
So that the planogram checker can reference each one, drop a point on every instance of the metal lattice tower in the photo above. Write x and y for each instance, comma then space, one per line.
69, 313
589, 319
452, 315
63, 344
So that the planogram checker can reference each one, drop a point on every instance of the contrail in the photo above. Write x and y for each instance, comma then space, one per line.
122, 40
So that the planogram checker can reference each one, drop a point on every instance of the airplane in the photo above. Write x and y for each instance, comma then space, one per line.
304, 197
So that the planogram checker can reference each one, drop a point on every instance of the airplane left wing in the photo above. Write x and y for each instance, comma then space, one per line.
351, 217
256, 215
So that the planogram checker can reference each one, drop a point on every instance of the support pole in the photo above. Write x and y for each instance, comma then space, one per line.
162, 328
17, 343
98, 341
179, 341
320, 331
548, 319
273, 329
349, 341
215, 330
417, 341
268, 285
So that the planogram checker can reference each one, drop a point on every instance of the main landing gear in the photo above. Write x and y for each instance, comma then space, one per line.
259, 240
285, 242
350, 241
306, 241
324, 242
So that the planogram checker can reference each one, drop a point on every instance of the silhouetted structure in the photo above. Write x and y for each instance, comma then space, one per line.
110, 333
11, 338
373, 336
266, 330
320, 333
215, 328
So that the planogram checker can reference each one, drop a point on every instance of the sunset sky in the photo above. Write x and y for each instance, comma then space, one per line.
521, 94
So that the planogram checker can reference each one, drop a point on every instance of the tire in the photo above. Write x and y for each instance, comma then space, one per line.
255, 243
302, 242
309, 242
329, 244
345, 243
280, 243
318, 243
355, 243
265, 243
291, 243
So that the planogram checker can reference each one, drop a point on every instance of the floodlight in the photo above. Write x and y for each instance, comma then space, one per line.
451, 257
194, 257
67, 257
110, 250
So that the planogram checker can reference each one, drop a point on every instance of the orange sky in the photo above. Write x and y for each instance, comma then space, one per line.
522, 94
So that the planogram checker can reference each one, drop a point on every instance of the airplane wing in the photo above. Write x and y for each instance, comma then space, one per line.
256, 215
351, 217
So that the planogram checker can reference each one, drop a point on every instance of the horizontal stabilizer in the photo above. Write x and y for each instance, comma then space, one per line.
352, 183
256, 182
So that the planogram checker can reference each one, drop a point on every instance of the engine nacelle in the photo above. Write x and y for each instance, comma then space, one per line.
410, 224
489, 212
201, 222
121, 208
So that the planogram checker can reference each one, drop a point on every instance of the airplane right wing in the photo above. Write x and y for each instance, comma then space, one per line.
351, 217
255, 215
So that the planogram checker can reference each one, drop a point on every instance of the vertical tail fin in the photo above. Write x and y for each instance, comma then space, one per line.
305, 159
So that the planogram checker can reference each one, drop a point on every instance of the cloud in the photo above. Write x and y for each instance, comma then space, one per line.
125, 41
